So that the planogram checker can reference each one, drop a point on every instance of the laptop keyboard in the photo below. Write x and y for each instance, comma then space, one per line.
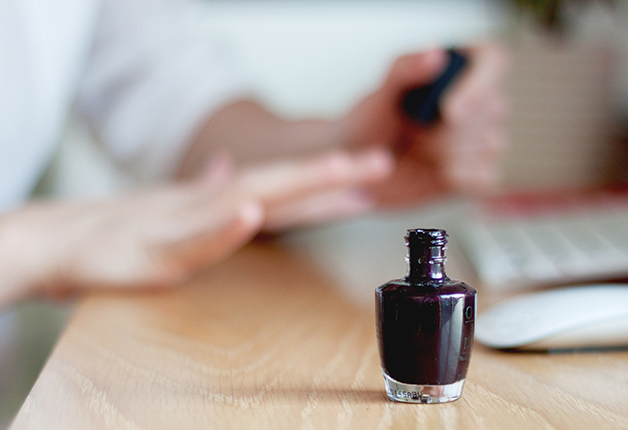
522, 241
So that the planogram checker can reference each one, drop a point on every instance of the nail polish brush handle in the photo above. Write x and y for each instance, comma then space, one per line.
421, 103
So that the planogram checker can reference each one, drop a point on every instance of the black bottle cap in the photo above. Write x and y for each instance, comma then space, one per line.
425, 237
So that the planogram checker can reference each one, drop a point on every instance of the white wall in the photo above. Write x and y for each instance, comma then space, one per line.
312, 57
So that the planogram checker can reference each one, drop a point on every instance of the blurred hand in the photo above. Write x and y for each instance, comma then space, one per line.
161, 237
460, 152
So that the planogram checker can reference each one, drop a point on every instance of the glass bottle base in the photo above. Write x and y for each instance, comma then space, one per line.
411, 393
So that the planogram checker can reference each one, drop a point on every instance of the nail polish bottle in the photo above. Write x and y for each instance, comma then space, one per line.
425, 325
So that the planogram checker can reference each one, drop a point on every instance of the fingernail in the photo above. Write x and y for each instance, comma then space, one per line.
338, 164
433, 53
357, 202
360, 198
251, 213
379, 161
218, 169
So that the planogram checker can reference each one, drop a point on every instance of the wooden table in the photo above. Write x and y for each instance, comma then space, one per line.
266, 341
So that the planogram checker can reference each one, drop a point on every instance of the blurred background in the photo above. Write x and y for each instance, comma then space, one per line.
569, 126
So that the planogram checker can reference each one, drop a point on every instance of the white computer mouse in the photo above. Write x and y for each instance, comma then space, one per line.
585, 316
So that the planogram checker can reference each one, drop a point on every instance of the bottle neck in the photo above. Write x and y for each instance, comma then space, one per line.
426, 263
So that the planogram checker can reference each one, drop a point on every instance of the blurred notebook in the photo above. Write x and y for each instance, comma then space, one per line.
522, 241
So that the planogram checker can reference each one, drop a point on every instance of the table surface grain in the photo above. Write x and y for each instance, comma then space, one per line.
265, 341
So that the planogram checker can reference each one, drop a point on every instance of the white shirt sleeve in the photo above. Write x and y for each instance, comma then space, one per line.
152, 77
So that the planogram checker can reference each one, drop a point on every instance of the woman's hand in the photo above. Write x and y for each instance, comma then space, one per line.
161, 237
457, 154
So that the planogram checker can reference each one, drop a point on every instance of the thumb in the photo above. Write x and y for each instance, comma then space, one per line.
415, 70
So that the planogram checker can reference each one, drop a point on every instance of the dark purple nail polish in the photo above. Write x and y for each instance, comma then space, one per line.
425, 325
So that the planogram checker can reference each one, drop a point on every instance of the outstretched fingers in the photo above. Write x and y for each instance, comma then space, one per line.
294, 180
